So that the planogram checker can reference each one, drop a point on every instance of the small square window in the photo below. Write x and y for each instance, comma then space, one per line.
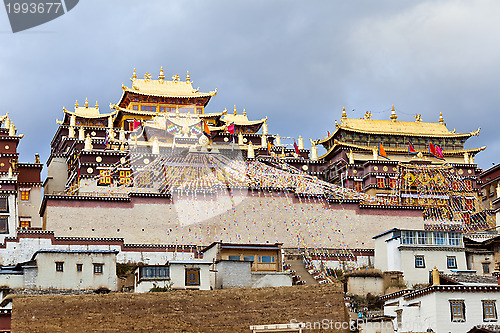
79, 267
59, 266
451, 262
192, 276
98, 268
486, 267
419, 262
25, 195
4, 208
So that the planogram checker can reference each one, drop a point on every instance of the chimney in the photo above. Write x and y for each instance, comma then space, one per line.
435, 276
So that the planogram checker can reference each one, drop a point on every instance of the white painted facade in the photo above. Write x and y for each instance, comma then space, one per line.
395, 253
60, 270
430, 308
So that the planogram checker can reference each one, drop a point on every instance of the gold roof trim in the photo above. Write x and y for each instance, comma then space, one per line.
89, 112
241, 120
165, 88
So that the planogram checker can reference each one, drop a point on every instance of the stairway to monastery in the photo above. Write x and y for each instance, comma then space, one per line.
298, 266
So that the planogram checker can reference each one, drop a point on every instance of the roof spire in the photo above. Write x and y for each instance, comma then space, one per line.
86, 102
134, 74
441, 119
394, 116
76, 104
344, 114
188, 78
244, 112
234, 110
96, 105
161, 76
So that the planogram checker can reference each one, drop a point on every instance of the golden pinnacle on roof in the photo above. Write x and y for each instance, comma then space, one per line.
96, 105
394, 116
344, 114
234, 110
188, 78
441, 119
244, 112
76, 104
161, 76
147, 76
418, 117
134, 74
175, 77
368, 115
86, 102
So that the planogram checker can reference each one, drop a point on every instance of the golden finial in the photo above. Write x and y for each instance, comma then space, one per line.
244, 112
418, 117
188, 78
234, 110
86, 102
368, 115
175, 77
394, 116
134, 74
161, 76
96, 105
441, 119
76, 104
147, 76
37, 158
344, 114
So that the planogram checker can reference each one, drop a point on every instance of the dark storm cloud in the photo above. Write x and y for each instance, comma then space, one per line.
295, 62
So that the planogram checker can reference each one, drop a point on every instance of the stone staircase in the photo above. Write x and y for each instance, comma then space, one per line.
298, 266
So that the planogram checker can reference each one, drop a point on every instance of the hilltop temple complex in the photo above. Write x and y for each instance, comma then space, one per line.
184, 175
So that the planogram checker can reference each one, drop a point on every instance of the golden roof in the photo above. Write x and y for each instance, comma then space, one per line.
240, 119
338, 143
393, 127
87, 111
165, 88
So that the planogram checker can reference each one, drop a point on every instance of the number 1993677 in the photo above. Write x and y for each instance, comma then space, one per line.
33, 8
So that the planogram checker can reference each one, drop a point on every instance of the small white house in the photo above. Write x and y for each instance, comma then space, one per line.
416, 252
451, 307
176, 274
71, 269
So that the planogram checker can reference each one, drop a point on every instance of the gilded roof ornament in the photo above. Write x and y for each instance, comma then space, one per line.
175, 78
475, 133
86, 102
147, 76
441, 119
344, 114
188, 78
368, 115
234, 110
76, 104
96, 105
244, 112
161, 76
134, 75
394, 116
418, 117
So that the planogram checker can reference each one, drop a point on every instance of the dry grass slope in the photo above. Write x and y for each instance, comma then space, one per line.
231, 310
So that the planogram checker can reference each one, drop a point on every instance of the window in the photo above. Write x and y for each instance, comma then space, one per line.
358, 185
439, 238
104, 177
486, 267
192, 276
380, 182
267, 259
4, 225
457, 309
419, 262
424, 237
408, 237
148, 108
399, 318
234, 257
248, 258
98, 268
469, 204
4, 208
25, 194
451, 262
24, 222
125, 177
489, 311
79, 267
454, 238
155, 272
392, 183
59, 266
135, 107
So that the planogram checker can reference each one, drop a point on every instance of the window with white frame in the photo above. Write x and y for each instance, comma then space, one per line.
489, 310
451, 262
419, 262
457, 310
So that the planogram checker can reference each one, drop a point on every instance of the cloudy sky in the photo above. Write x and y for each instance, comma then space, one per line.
296, 62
